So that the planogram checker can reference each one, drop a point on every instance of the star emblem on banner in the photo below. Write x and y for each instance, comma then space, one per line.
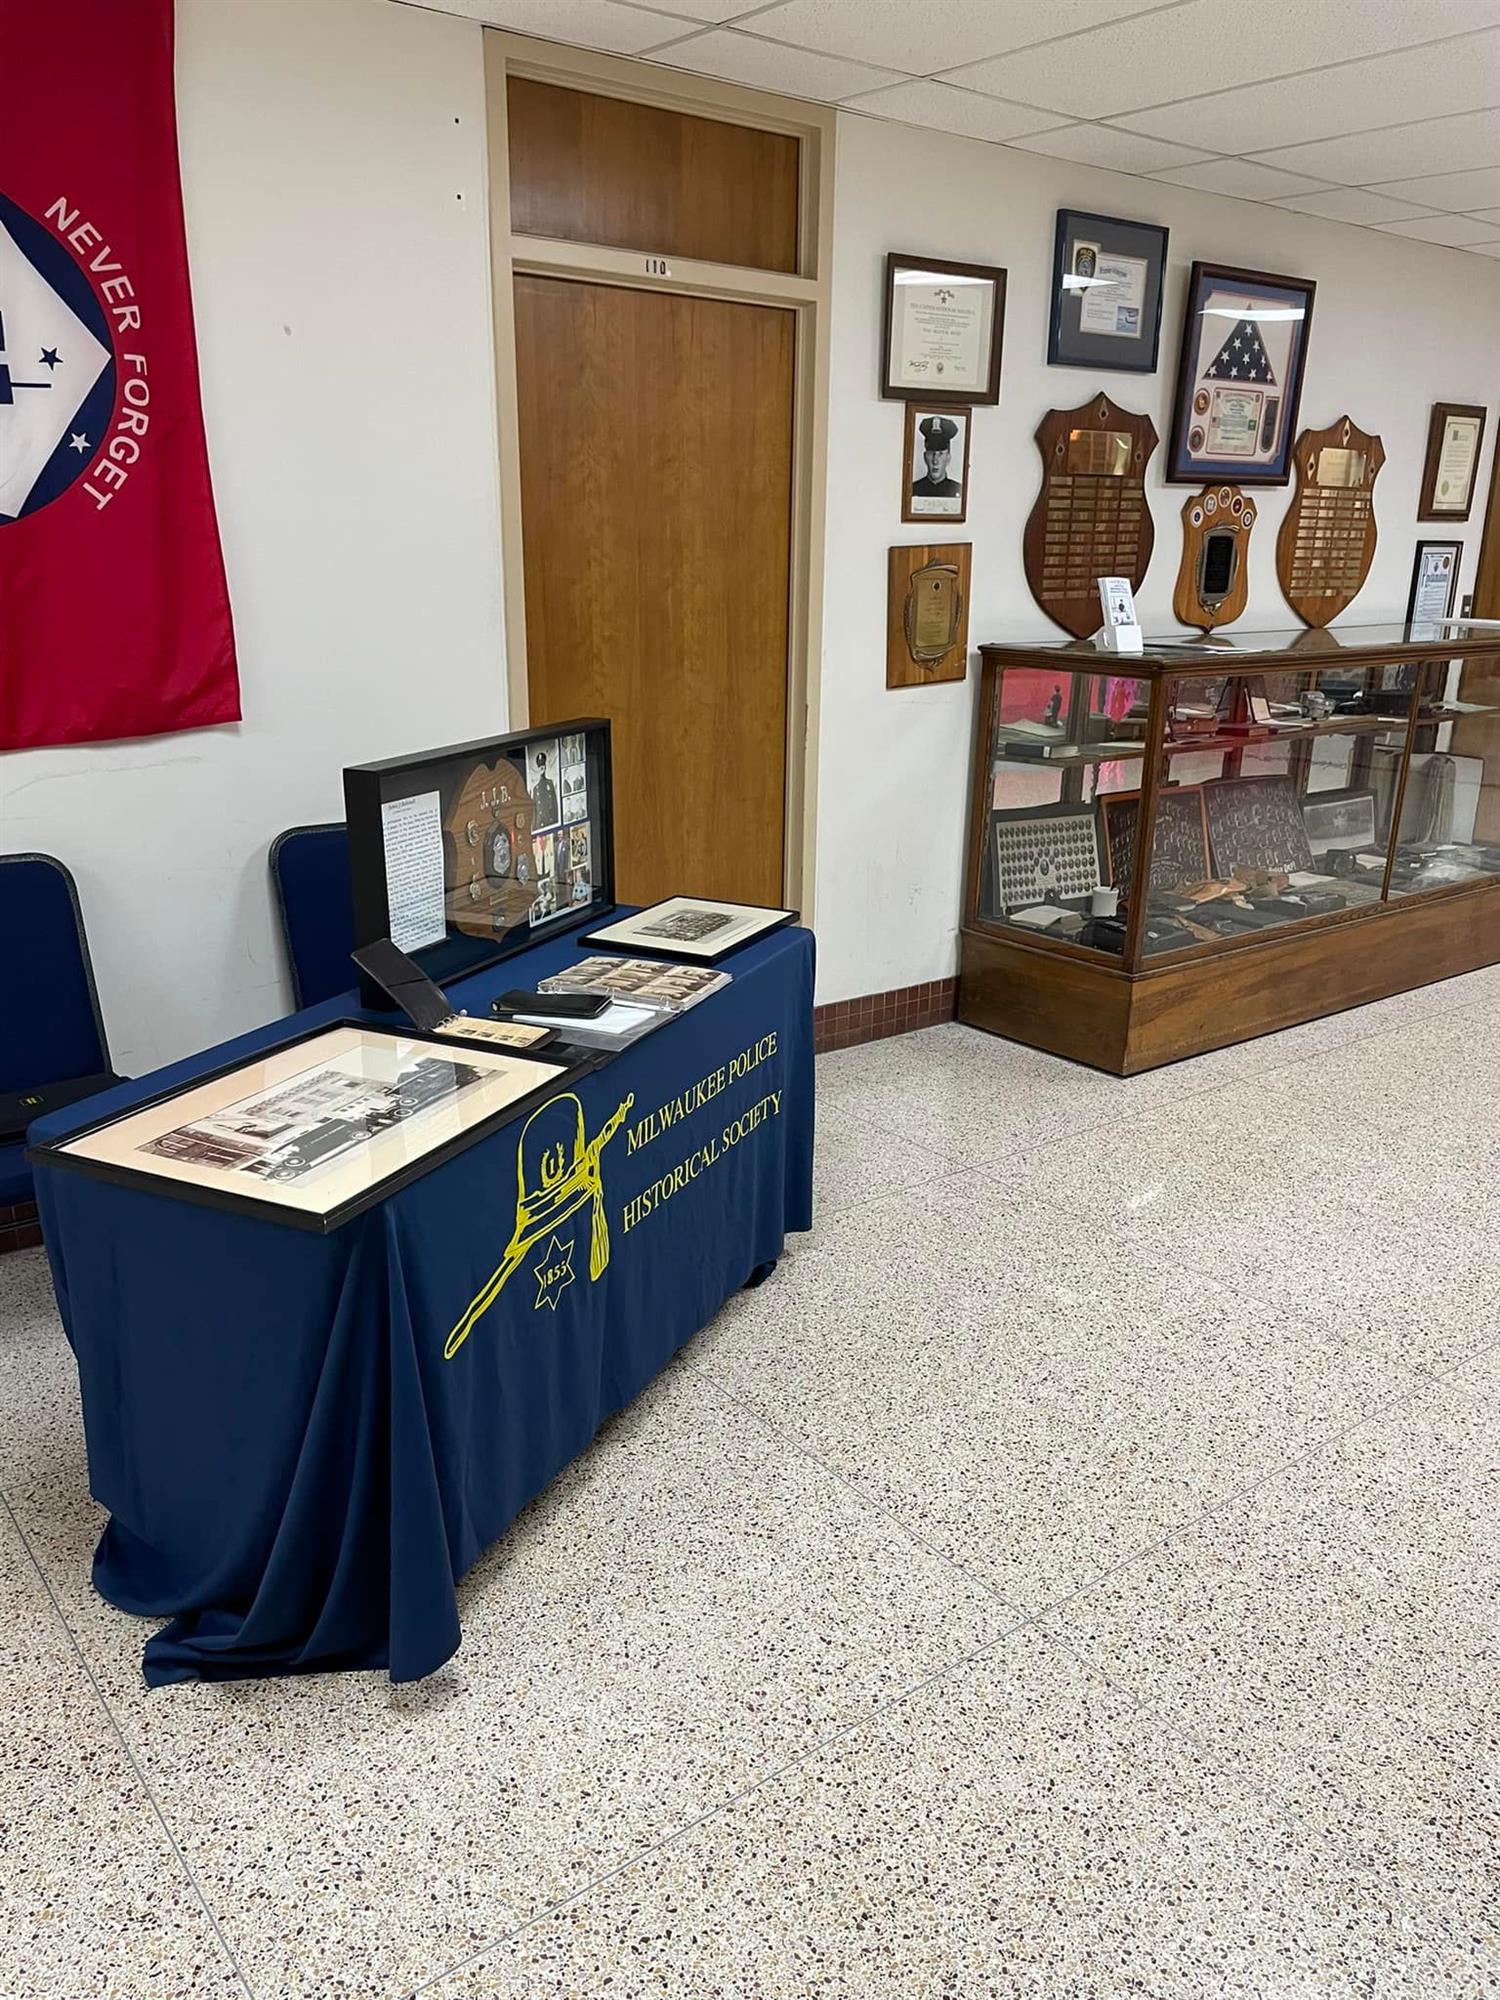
554, 1273
78, 441
49, 358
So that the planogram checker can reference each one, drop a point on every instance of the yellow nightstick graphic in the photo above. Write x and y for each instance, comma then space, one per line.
557, 1173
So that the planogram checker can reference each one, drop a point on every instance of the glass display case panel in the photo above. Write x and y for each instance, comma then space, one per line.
1448, 832
1059, 741
1272, 783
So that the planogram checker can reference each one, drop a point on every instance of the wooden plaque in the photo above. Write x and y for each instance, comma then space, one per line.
1091, 518
1327, 540
1213, 584
927, 615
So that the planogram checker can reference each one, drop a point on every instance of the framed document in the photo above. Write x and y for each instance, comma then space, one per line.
935, 462
1239, 377
315, 1131
1434, 579
1106, 292
943, 324
1454, 436
690, 927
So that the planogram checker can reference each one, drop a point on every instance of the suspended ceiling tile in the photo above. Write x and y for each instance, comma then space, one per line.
1104, 146
1246, 178
1454, 230
1483, 249
712, 12
1450, 191
1174, 51
737, 58
1430, 146
1454, 76
927, 35
1352, 205
942, 108
1488, 215
589, 24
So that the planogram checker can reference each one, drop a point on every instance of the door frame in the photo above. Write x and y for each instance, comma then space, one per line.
806, 294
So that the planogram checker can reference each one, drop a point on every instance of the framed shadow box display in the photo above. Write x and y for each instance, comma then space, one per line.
464, 855
944, 324
317, 1130
1107, 282
1239, 376
1220, 837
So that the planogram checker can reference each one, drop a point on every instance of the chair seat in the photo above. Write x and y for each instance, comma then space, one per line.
15, 1176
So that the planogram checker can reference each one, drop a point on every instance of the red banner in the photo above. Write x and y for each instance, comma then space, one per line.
114, 613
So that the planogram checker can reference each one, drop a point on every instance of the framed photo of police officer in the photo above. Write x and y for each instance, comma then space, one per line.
935, 462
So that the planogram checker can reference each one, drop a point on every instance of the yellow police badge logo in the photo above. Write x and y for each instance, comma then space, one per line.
557, 1173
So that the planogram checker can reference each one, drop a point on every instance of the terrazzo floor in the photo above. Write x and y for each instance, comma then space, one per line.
1072, 1574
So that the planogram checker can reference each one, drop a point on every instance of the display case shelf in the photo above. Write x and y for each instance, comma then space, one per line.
1284, 866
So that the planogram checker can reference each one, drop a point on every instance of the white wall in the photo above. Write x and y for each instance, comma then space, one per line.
333, 170
1397, 326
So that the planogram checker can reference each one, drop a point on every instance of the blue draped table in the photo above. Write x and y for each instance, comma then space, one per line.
296, 1470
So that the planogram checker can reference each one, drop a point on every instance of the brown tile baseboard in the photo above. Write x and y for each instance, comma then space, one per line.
19, 1227
842, 1023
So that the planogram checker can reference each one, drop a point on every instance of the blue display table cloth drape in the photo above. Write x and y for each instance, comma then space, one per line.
298, 1458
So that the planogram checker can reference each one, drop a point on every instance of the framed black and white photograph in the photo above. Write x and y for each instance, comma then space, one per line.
943, 328
1038, 852
935, 463
1239, 377
690, 927
1107, 281
314, 1131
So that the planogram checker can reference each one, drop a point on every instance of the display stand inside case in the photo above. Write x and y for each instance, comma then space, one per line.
1319, 824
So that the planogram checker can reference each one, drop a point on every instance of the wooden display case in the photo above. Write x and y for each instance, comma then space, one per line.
1289, 823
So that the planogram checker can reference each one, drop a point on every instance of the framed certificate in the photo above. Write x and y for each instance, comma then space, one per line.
943, 325
1434, 579
1239, 378
1453, 439
1106, 292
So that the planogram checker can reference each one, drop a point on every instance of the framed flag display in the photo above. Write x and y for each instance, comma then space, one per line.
1239, 377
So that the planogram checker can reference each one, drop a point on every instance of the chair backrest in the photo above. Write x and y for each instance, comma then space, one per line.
51, 1029
310, 878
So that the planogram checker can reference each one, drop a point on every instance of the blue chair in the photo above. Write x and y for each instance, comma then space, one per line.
52, 1043
310, 880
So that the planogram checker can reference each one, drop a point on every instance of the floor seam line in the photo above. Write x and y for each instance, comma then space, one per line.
128, 1752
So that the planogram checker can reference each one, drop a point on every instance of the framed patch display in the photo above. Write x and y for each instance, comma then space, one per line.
1042, 851
1256, 823
1239, 376
317, 1130
464, 855
1179, 841
1090, 519
943, 328
1434, 582
697, 928
1107, 282
1454, 436
1326, 541
935, 462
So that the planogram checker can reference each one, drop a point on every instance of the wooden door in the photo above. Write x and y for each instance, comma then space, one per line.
656, 457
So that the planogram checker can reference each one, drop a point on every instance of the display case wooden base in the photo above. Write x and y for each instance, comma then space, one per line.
1129, 1022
